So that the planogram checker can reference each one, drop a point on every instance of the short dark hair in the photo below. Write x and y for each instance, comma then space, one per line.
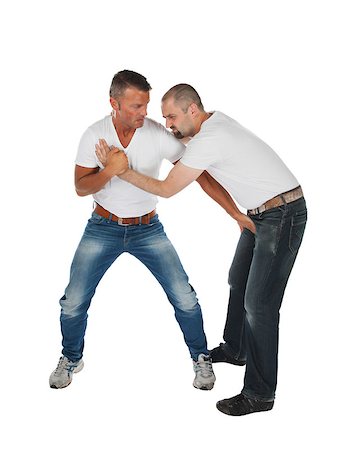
125, 79
184, 94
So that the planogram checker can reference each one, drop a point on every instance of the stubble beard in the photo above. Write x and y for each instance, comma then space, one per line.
177, 134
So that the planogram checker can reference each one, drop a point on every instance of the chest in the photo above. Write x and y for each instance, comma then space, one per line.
125, 140
143, 153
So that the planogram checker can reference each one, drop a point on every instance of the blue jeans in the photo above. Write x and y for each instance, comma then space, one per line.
257, 279
102, 242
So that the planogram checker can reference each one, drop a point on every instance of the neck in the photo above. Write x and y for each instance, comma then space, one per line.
203, 117
121, 128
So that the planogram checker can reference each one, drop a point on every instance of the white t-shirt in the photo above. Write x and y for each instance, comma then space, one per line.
241, 162
148, 147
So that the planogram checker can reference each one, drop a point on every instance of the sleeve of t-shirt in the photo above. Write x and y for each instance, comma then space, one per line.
170, 147
86, 156
199, 154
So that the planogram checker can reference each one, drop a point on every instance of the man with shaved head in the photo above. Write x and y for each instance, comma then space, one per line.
260, 182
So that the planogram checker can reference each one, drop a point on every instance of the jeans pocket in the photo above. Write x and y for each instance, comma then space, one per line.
298, 222
153, 221
96, 219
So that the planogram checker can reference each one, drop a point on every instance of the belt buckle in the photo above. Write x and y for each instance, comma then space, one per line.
120, 222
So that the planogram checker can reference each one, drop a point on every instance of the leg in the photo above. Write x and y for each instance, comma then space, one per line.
152, 247
278, 238
238, 275
233, 350
98, 249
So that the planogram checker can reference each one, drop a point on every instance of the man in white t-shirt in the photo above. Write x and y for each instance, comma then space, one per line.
260, 182
125, 220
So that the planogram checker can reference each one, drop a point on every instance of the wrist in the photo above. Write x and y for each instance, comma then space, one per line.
237, 215
109, 171
126, 174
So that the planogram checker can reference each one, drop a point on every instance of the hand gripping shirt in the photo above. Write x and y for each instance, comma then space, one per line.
149, 146
241, 162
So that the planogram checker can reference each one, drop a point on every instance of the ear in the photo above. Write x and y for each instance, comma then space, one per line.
114, 103
194, 109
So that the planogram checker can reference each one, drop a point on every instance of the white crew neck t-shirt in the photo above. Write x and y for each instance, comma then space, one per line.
241, 162
148, 147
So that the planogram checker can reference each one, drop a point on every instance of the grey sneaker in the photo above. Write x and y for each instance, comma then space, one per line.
204, 375
63, 374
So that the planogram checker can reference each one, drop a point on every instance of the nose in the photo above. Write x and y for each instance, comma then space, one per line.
168, 123
144, 111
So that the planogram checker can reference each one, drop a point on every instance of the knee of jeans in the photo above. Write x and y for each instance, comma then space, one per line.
235, 280
72, 306
185, 299
251, 320
231, 279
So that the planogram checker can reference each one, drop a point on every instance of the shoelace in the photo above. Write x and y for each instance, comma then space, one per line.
205, 367
64, 364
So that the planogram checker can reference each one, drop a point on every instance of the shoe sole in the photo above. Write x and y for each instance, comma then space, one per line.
204, 387
76, 370
230, 413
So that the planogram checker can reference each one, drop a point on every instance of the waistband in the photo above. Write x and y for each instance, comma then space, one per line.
124, 221
278, 200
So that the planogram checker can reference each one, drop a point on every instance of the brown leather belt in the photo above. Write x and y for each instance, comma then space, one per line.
281, 199
145, 219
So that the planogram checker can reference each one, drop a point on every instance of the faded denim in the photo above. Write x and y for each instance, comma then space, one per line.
102, 242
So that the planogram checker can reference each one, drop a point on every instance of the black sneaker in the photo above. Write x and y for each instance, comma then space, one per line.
241, 405
218, 354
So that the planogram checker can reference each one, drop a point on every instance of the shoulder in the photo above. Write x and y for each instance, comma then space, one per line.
220, 122
157, 130
154, 126
217, 121
99, 125
218, 126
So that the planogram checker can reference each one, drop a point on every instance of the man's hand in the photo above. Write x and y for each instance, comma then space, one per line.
246, 222
112, 157
102, 151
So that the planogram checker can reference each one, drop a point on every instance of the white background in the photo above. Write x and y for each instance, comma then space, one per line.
268, 64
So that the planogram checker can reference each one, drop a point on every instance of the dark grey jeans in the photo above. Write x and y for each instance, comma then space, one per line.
258, 277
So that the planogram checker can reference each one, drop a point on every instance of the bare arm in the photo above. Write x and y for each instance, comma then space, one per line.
223, 198
179, 177
91, 180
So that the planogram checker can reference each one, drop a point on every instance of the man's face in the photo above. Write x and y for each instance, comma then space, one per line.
131, 108
179, 121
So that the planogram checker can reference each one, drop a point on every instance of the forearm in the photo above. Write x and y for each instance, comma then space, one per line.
92, 183
219, 194
145, 183
178, 178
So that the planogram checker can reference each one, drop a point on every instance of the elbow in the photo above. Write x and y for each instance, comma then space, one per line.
166, 193
80, 192
169, 189
83, 190
203, 181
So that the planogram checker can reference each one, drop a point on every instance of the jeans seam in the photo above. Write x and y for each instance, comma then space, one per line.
279, 229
